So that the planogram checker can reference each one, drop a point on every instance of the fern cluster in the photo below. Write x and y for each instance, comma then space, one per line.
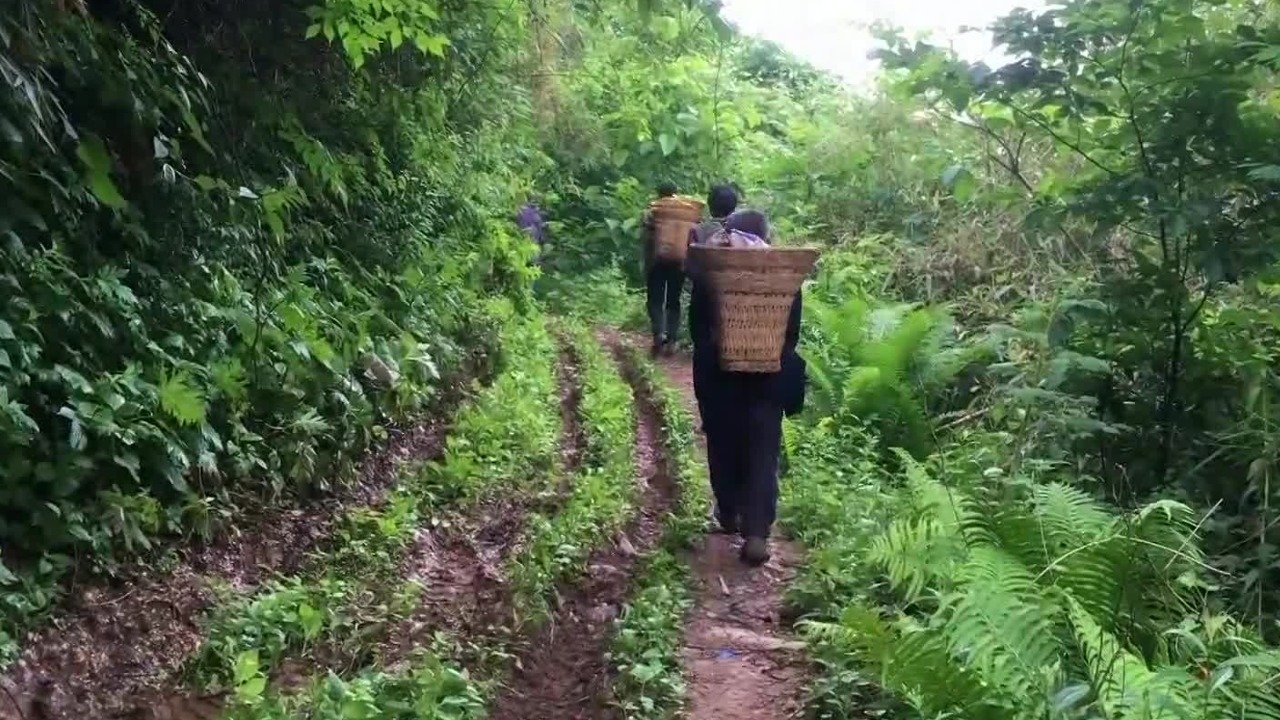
1036, 601
877, 365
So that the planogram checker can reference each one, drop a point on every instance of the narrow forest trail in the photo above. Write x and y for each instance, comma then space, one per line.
740, 660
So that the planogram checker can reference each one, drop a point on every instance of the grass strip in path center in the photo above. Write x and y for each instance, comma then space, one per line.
647, 681
624, 492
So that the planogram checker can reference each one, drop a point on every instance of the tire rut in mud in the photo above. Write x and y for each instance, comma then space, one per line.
562, 671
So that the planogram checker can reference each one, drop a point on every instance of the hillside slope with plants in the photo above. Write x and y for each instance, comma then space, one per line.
292, 423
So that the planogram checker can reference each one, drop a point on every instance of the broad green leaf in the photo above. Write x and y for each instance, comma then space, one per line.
97, 171
181, 401
432, 44
960, 181
252, 688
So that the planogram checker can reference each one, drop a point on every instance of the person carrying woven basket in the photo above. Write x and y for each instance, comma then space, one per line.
742, 412
664, 281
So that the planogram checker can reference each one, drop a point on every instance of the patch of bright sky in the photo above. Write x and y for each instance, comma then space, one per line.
835, 34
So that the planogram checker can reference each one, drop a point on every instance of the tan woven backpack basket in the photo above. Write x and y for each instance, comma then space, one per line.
674, 217
753, 289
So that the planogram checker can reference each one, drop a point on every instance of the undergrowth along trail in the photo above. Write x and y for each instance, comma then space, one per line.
113, 642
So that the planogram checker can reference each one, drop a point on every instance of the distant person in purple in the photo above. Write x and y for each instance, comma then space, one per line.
529, 219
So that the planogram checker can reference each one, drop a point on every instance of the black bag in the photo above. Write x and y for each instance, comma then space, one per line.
792, 381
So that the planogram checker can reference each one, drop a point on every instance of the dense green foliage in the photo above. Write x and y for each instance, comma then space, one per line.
230, 257
1037, 471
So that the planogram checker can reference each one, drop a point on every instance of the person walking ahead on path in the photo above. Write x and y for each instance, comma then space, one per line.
530, 221
742, 412
664, 282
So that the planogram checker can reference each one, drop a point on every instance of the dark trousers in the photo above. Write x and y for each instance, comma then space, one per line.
743, 423
665, 283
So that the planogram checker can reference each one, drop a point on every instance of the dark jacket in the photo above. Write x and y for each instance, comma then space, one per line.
786, 387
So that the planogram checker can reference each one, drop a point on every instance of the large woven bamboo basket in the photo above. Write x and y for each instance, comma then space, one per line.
674, 218
754, 289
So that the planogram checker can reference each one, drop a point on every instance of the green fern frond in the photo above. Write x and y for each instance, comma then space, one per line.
896, 350
1093, 575
849, 323
926, 546
923, 669
912, 661
1069, 517
181, 400
915, 552
1015, 528
1246, 687
1126, 688
827, 394
959, 513
1167, 528
1005, 628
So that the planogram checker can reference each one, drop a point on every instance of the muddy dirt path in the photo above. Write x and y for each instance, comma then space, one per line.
741, 661
562, 672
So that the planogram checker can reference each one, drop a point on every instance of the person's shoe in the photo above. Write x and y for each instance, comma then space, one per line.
657, 347
669, 348
755, 551
724, 526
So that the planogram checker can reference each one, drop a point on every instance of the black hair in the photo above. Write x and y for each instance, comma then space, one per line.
750, 221
722, 201
666, 189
